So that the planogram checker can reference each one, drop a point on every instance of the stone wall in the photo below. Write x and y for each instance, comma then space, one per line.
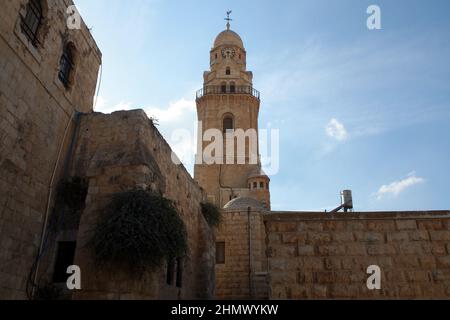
244, 272
320, 256
35, 128
121, 152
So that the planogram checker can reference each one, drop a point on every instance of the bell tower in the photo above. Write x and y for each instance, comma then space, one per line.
229, 104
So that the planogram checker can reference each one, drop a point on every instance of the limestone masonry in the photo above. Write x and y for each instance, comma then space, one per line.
49, 133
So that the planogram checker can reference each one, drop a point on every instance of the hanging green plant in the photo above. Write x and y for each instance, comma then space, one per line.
139, 229
212, 214
72, 192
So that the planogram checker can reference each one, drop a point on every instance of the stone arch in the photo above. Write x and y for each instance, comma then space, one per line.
228, 122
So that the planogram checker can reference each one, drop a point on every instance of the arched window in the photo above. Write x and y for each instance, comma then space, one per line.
232, 87
32, 21
223, 87
228, 123
228, 71
66, 65
261, 185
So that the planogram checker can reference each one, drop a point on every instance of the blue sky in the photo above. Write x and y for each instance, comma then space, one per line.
357, 109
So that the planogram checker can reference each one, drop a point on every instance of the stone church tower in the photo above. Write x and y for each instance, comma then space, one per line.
227, 102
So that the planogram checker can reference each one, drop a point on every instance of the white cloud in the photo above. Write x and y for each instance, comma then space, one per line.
177, 123
101, 105
174, 112
336, 130
397, 187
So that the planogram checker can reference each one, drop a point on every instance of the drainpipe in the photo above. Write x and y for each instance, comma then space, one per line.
250, 257
51, 188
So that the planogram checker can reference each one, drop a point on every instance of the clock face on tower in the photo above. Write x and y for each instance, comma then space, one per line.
228, 53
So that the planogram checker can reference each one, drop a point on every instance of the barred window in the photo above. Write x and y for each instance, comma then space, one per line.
66, 65
32, 20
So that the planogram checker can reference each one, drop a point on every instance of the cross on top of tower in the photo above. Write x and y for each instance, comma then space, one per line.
228, 19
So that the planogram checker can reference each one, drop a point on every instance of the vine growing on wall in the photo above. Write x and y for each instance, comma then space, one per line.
212, 214
141, 230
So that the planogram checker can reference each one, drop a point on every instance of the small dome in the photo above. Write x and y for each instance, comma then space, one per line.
243, 203
228, 37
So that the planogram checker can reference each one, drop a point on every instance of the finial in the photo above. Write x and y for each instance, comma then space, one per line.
228, 19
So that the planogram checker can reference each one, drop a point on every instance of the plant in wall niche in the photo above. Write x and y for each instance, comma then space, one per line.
72, 192
212, 214
139, 230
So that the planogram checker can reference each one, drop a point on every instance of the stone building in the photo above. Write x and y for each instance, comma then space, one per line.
48, 75
49, 134
264, 254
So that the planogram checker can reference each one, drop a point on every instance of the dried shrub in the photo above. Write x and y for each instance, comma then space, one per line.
212, 214
140, 230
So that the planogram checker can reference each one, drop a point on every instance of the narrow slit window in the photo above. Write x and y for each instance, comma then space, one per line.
180, 272
170, 272
220, 253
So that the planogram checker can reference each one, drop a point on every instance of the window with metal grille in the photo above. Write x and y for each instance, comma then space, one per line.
65, 256
220, 252
66, 65
32, 21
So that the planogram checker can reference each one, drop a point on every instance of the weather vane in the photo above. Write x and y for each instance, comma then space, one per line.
228, 19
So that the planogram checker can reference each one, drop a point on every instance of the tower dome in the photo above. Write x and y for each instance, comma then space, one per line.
243, 203
228, 37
